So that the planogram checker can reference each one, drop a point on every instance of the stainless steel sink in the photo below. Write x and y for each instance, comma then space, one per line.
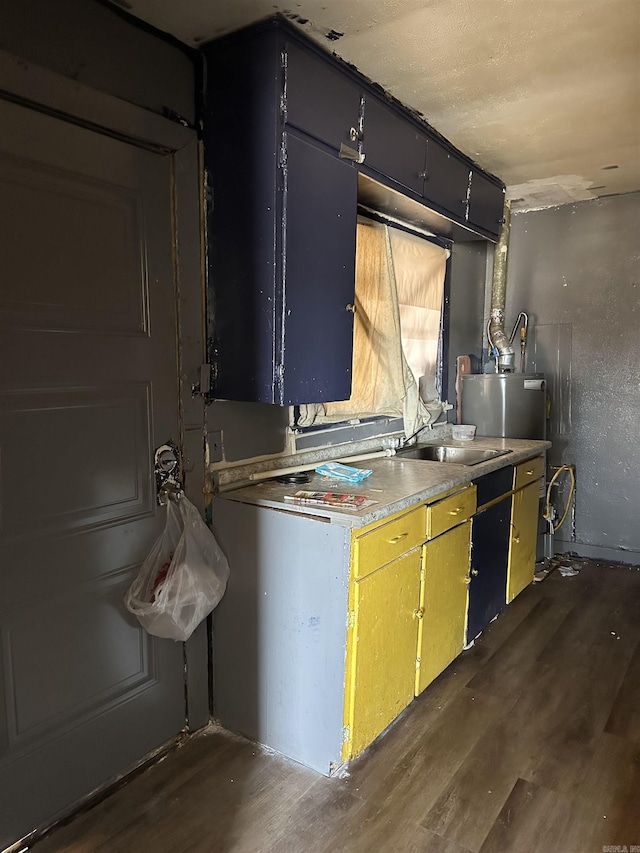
450, 453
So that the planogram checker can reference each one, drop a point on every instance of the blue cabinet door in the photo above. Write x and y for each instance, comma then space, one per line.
393, 147
319, 98
315, 340
446, 181
486, 203
489, 555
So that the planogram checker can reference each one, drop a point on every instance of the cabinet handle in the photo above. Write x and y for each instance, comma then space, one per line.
353, 134
516, 539
397, 539
419, 613
474, 572
455, 511
530, 472
467, 580
350, 307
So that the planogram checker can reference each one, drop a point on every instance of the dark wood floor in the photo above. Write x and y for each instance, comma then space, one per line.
530, 742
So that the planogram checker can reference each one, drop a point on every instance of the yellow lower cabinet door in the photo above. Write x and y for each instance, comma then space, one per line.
443, 603
522, 545
382, 655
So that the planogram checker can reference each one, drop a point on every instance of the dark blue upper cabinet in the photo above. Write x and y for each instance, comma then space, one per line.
486, 203
319, 286
281, 229
447, 180
393, 147
285, 124
320, 100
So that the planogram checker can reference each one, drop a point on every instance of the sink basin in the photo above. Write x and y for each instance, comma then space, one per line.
449, 453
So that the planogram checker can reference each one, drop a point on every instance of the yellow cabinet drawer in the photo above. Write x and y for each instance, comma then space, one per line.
527, 472
453, 510
390, 540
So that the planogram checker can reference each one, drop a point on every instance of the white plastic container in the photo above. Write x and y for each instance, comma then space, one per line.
463, 432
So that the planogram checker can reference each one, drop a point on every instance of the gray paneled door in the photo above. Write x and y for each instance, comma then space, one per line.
88, 387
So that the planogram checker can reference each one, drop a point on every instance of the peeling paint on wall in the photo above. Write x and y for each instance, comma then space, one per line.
550, 192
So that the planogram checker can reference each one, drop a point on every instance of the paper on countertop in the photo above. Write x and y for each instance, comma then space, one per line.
331, 499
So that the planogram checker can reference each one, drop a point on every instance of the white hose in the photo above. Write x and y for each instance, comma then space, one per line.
280, 472
547, 512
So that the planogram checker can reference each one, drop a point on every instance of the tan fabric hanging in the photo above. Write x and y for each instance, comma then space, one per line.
378, 380
383, 382
419, 268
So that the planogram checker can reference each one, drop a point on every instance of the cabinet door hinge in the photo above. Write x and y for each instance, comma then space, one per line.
208, 375
346, 734
351, 619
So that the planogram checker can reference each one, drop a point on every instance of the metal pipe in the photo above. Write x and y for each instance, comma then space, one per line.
524, 318
280, 472
496, 334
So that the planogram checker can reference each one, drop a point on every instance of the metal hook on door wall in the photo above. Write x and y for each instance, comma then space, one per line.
169, 486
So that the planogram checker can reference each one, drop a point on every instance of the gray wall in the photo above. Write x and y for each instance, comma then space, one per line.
468, 280
95, 45
575, 270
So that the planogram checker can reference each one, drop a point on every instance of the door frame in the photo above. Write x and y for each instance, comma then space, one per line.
46, 91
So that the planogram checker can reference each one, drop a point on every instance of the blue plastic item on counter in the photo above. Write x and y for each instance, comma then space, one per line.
343, 472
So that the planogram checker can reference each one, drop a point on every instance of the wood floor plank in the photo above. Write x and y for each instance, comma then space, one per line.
624, 719
609, 788
208, 751
510, 619
311, 824
387, 835
527, 742
570, 736
506, 672
468, 806
246, 792
366, 772
411, 785
538, 821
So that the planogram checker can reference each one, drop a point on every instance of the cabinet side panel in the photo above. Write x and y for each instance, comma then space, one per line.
241, 121
280, 631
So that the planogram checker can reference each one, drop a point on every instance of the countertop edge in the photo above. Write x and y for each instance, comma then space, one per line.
435, 478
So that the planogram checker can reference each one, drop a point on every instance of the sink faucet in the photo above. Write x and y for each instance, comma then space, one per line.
403, 442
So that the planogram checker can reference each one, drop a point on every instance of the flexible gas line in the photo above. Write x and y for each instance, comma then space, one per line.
547, 511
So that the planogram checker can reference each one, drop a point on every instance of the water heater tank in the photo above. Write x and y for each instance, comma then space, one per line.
509, 405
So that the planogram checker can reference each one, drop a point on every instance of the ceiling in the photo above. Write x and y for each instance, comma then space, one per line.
543, 93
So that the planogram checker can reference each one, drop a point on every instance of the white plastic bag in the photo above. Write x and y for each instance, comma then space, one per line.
182, 579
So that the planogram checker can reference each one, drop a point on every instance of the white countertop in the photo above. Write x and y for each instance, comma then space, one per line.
396, 483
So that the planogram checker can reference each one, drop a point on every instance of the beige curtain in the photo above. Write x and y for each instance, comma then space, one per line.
419, 268
383, 382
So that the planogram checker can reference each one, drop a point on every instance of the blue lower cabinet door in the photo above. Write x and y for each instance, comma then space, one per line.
489, 556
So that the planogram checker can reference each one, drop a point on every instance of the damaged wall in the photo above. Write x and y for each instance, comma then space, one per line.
575, 269
466, 308
91, 43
